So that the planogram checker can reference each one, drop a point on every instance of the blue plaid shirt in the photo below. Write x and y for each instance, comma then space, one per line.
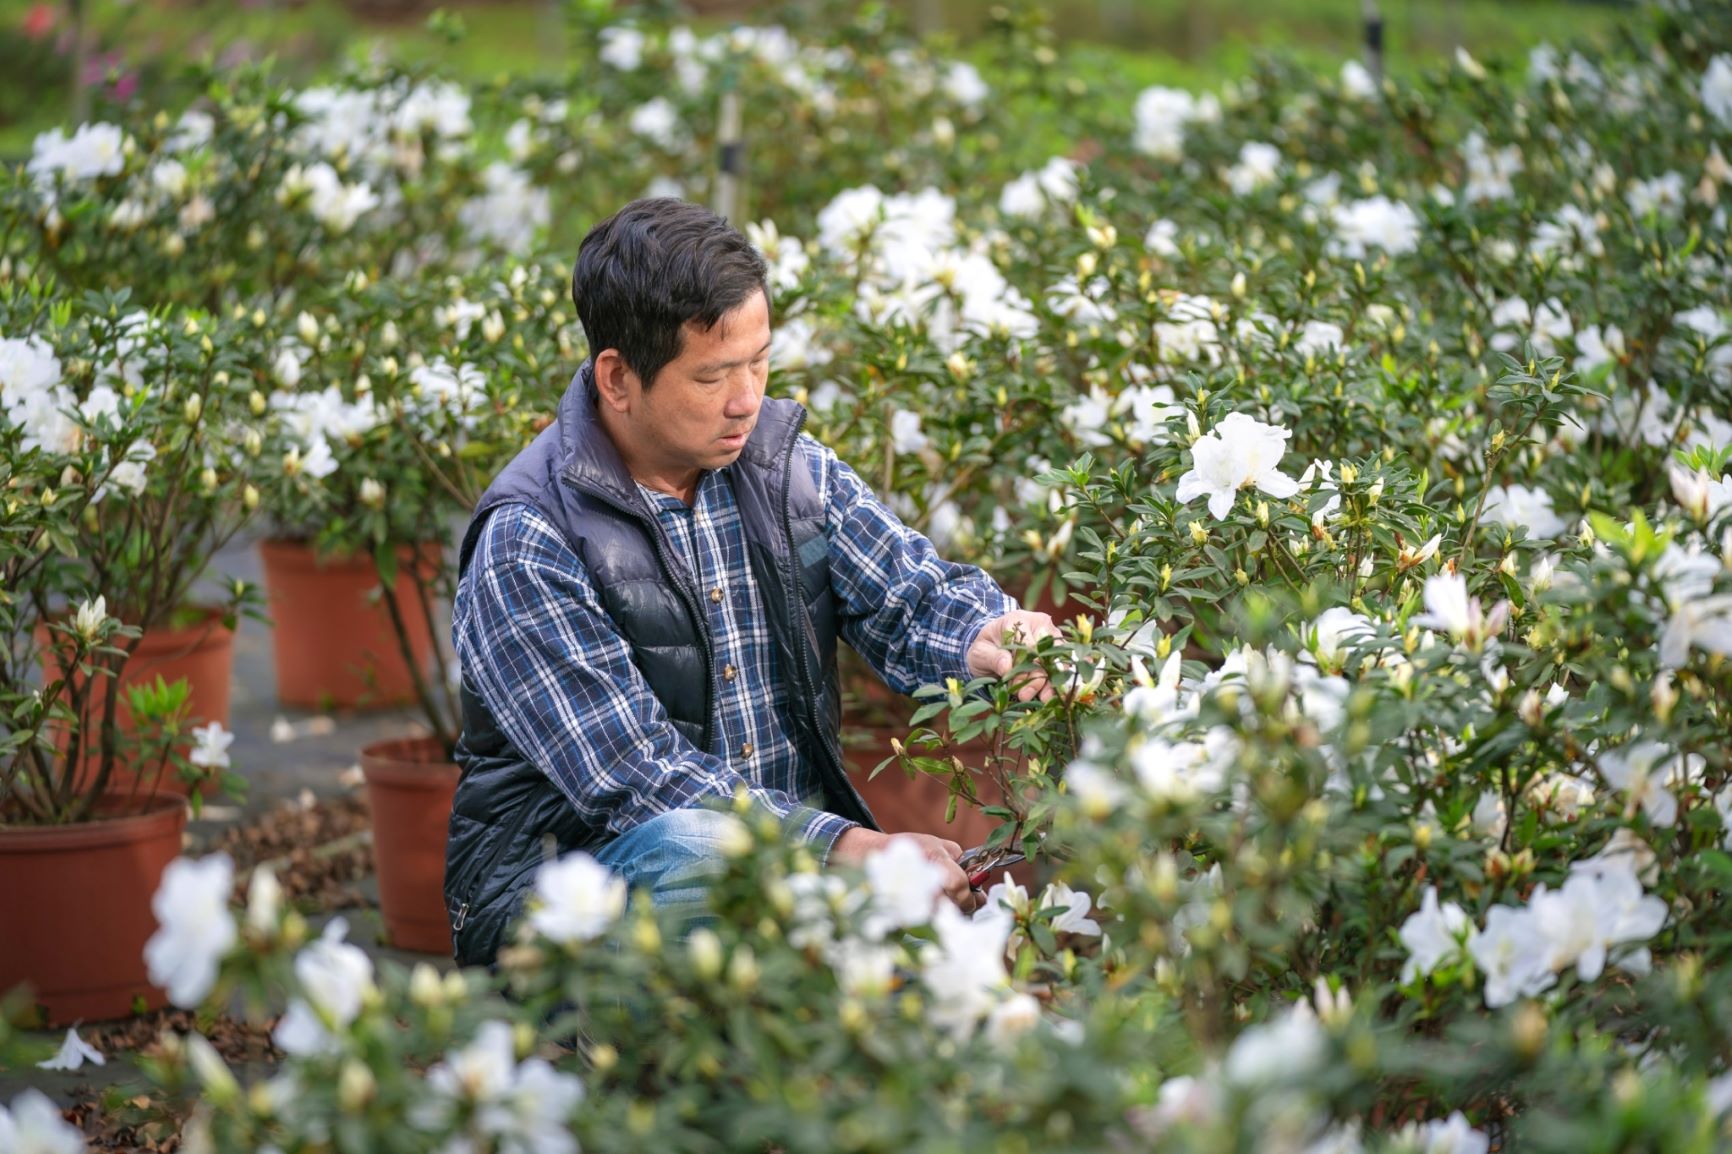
535, 643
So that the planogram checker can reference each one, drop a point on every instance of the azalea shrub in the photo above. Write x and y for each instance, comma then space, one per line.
130, 462
1376, 436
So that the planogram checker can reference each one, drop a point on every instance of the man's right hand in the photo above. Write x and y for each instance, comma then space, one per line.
859, 843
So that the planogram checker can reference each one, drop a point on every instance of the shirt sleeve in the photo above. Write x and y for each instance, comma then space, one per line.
534, 642
911, 614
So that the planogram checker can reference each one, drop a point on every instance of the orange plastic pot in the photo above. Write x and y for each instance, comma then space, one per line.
333, 641
410, 787
203, 653
75, 909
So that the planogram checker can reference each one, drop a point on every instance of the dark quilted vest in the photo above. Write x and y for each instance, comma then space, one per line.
509, 817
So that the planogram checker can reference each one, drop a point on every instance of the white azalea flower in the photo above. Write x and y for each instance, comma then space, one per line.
1287, 1046
1449, 608
1452, 1135
194, 927
90, 617
1357, 81
1432, 936
335, 979
1643, 770
1259, 164
1377, 223
1717, 88
1336, 630
1514, 954
1012, 1018
1162, 116
657, 121
904, 884
577, 899
905, 434
1030, 194
1076, 904
1096, 790
964, 970
526, 1107
74, 1052
33, 1125
1662, 195
1240, 452
1162, 239
212, 746
622, 47
963, 84
93, 150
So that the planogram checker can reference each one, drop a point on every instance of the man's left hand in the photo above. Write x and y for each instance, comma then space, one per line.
991, 656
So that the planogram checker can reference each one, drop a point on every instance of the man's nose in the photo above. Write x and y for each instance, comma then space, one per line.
743, 395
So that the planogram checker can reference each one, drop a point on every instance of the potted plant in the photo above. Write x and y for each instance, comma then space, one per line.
123, 474
439, 399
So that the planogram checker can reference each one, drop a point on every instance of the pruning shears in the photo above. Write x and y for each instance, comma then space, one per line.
982, 862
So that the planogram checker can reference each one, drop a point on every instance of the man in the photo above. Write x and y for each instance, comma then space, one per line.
651, 594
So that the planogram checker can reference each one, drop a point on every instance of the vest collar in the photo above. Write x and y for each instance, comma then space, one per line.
591, 461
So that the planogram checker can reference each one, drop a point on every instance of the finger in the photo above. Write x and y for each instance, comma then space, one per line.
1004, 662
950, 848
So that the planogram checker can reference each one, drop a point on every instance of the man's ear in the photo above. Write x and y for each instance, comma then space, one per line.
615, 383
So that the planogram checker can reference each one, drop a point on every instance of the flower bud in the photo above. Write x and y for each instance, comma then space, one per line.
1238, 286
208, 480
308, 329
372, 493
426, 988
1199, 534
193, 407
1086, 263
743, 971
257, 404
705, 950
356, 1087
1663, 696
250, 498
603, 1057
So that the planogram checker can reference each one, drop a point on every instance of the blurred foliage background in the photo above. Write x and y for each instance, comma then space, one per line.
61, 60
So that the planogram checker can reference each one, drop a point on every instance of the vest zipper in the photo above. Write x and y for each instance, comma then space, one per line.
493, 861
687, 594
801, 622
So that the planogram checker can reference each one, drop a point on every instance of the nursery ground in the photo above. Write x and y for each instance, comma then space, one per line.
318, 766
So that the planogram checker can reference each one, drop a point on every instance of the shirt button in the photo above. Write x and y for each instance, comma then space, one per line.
716, 595
746, 750
729, 673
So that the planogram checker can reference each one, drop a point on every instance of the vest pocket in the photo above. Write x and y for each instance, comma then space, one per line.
471, 887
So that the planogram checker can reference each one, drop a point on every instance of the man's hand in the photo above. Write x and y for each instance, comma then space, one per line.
990, 655
858, 844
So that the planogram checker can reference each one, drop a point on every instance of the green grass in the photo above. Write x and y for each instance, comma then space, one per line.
1190, 43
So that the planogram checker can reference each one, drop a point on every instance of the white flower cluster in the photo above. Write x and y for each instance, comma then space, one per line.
1255, 1081
318, 420
1599, 914
1164, 114
904, 247
517, 1107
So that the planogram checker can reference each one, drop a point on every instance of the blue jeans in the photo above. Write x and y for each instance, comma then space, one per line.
673, 856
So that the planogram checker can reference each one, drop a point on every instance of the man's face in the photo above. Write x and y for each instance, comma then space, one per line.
704, 403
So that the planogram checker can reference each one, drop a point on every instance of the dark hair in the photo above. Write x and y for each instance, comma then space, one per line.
654, 266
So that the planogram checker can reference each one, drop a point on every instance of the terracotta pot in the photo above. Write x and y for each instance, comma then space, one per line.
332, 638
203, 653
75, 909
410, 785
